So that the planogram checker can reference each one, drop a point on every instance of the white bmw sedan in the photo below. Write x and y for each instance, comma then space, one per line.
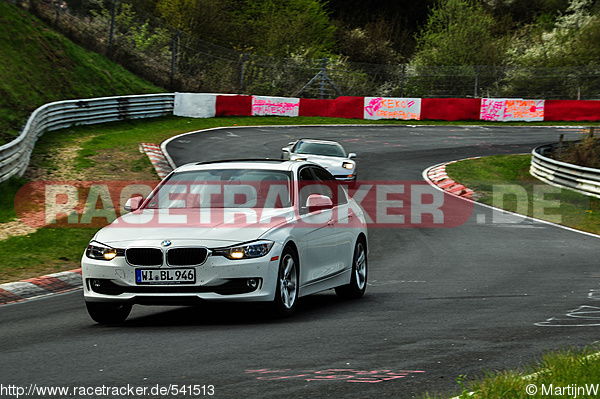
267, 231
327, 153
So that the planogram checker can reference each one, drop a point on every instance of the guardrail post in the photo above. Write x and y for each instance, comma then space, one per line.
560, 142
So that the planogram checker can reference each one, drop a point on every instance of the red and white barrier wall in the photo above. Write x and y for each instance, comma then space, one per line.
446, 109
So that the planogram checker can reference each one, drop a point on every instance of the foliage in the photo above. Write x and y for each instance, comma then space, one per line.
586, 153
370, 44
208, 19
280, 28
459, 38
570, 40
459, 32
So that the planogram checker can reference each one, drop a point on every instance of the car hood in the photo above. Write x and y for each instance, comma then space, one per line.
192, 226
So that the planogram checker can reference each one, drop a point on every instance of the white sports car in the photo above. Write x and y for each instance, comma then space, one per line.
269, 231
329, 154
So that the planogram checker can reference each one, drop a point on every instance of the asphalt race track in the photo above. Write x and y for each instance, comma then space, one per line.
490, 294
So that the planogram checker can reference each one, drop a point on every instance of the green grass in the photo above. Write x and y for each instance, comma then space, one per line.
43, 252
504, 182
568, 373
40, 66
8, 191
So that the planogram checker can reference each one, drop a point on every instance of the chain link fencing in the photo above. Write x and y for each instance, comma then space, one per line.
181, 62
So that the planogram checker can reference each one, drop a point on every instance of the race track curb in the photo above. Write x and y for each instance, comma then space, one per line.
438, 176
41, 286
158, 159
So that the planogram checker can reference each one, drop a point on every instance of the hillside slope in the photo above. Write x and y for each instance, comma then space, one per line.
39, 66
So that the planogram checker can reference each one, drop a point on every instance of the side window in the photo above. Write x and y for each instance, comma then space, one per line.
306, 186
331, 186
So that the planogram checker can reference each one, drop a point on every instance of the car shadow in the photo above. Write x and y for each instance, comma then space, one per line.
322, 305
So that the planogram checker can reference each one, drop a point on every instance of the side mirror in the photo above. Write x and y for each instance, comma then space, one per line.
133, 204
318, 202
351, 155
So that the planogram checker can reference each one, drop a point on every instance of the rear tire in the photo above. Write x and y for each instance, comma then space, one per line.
358, 282
286, 293
108, 312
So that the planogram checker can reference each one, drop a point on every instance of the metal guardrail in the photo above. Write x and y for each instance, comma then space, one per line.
14, 156
582, 179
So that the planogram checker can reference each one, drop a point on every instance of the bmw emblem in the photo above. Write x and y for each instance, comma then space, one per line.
166, 243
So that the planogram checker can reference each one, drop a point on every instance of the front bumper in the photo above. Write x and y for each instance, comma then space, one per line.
345, 178
218, 279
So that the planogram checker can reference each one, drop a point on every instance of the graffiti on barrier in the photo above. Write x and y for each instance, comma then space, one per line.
500, 110
276, 106
392, 108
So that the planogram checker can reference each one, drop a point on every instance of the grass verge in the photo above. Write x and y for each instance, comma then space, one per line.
569, 373
504, 182
44, 252
8, 190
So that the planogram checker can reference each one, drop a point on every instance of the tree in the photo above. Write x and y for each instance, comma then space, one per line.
207, 19
281, 28
571, 41
459, 32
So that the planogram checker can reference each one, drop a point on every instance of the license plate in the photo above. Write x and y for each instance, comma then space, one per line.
165, 276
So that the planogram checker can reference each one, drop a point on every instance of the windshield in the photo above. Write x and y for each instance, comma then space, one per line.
330, 150
224, 188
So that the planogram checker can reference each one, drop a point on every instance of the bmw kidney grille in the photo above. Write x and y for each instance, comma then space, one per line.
193, 256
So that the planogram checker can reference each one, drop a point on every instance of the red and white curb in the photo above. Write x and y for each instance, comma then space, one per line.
438, 176
42, 286
158, 159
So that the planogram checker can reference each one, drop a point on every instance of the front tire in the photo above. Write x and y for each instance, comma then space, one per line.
107, 312
286, 293
358, 282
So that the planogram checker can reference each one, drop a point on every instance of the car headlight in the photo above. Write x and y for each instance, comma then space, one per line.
254, 249
300, 159
99, 251
348, 165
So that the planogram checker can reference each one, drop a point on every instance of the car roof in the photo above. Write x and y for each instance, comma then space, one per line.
263, 163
